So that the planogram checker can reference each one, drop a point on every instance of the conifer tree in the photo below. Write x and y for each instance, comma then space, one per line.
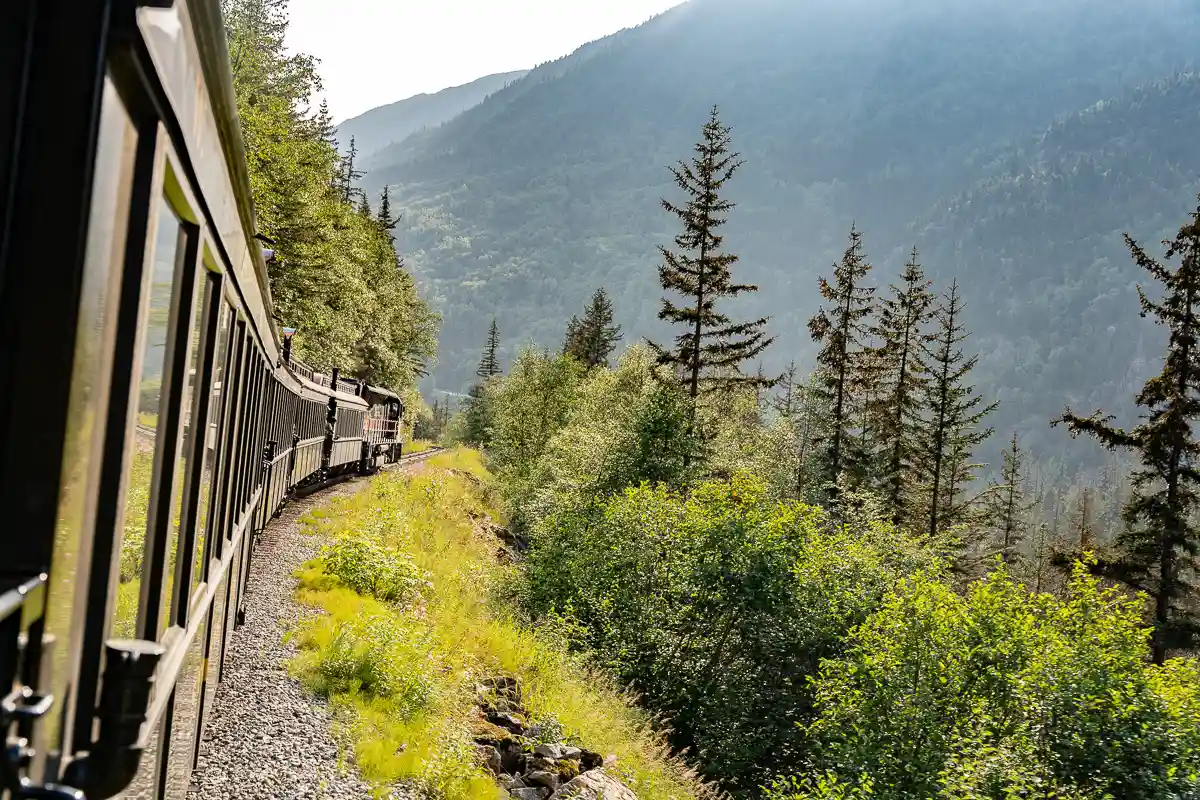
592, 340
349, 175
953, 412
709, 352
1006, 505
489, 364
1158, 548
901, 332
842, 331
364, 206
386, 221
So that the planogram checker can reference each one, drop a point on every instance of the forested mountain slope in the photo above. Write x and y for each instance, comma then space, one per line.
872, 110
385, 125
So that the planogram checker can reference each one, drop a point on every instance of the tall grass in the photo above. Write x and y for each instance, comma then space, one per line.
401, 674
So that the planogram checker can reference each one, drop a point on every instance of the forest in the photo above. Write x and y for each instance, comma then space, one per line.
804, 576
335, 275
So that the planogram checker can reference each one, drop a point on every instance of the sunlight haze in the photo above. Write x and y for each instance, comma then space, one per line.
375, 52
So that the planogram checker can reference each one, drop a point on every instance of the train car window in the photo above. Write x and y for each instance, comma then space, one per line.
207, 541
167, 247
88, 406
177, 535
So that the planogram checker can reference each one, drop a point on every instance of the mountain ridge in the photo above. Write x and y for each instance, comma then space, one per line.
520, 208
376, 129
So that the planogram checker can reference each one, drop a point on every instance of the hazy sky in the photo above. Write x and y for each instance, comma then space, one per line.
378, 51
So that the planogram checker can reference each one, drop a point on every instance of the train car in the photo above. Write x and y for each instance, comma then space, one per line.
151, 424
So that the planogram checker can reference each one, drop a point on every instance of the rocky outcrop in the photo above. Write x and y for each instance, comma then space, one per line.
527, 766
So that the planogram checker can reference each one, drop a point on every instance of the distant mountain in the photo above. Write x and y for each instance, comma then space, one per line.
960, 127
380, 127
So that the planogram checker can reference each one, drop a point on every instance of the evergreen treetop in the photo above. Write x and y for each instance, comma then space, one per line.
710, 351
594, 338
489, 364
952, 423
843, 331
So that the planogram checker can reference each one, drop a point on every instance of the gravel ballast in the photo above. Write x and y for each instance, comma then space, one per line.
269, 737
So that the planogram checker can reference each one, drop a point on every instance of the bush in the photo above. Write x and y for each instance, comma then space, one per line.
1003, 693
371, 569
718, 606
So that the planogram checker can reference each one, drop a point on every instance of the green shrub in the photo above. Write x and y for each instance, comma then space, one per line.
1003, 693
371, 569
716, 607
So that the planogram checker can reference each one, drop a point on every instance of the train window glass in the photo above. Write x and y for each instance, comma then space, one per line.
94, 345
168, 242
187, 424
212, 438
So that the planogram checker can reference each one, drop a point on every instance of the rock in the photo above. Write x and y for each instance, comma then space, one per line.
539, 793
512, 782
542, 778
610, 760
535, 762
551, 751
573, 753
589, 760
594, 785
513, 723
511, 757
490, 756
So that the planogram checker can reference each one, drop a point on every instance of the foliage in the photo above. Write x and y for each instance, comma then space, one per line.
402, 678
989, 694
371, 569
715, 606
951, 421
843, 364
335, 275
900, 372
594, 338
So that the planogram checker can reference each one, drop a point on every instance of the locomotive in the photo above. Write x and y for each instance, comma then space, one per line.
152, 418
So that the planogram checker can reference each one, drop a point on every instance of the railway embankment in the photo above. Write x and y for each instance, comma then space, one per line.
434, 684
269, 736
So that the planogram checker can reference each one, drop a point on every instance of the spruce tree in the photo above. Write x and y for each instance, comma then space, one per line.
709, 352
385, 219
573, 339
593, 339
1006, 506
489, 364
842, 330
950, 425
349, 175
900, 372
1158, 548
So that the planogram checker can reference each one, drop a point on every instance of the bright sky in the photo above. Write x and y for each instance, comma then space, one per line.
375, 52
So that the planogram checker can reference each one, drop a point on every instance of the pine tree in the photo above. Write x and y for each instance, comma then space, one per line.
709, 353
1006, 506
1159, 547
349, 175
573, 339
364, 206
901, 332
842, 364
593, 339
950, 424
385, 219
489, 364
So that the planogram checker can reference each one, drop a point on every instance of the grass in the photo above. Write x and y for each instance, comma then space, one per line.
418, 446
401, 674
